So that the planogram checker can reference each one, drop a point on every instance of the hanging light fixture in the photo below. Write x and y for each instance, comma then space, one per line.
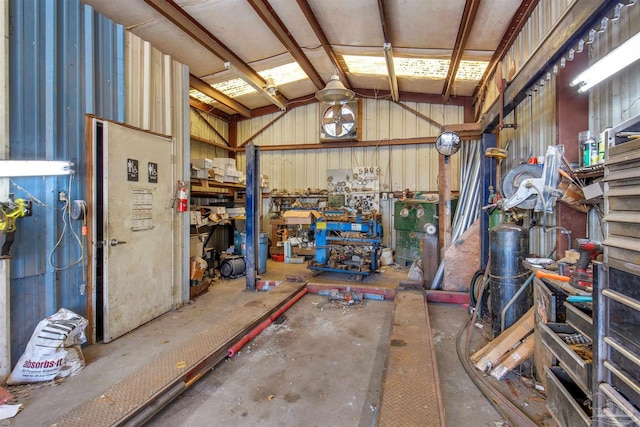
335, 92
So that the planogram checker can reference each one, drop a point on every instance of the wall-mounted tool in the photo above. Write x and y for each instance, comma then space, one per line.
10, 211
519, 187
588, 250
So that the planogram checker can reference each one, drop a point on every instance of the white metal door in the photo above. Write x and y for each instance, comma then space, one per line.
137, 227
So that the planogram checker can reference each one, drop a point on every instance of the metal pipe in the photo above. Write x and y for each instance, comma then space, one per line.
262, 326
253, 214
622, 299
514, 298
468, 207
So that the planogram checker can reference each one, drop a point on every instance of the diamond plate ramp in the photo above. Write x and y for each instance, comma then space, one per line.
124, 399
411, 388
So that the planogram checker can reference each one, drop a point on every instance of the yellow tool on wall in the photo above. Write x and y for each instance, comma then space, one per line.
10, 211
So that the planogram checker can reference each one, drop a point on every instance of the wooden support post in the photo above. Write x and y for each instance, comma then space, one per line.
444, 224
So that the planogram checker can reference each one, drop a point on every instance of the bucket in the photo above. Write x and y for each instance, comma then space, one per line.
262, 253
240, 245
387, 256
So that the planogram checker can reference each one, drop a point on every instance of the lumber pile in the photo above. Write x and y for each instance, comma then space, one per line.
512, 347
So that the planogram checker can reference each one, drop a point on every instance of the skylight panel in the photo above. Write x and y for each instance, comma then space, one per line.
471, 70
194, 93
428, 68
281, 75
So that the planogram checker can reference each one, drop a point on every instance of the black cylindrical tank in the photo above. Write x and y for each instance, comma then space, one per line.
509, 246
231, 267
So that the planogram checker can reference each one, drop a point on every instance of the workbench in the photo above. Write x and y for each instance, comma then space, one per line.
347, 244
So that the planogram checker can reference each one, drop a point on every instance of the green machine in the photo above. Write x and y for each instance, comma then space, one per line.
410, 219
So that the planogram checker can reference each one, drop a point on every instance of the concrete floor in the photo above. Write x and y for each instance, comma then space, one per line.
320, 366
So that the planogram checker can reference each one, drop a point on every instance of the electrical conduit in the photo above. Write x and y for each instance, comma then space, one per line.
262, 326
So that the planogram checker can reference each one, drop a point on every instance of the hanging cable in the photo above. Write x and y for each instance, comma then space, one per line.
499, 401
66, 217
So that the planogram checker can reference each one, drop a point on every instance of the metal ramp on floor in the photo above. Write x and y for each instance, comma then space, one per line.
411, 389
140, 394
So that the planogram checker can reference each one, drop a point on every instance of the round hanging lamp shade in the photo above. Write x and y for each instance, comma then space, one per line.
335, 92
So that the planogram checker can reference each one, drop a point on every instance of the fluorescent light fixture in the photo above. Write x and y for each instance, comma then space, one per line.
391, 71
426, 68
621, 57
16, 168
257, 87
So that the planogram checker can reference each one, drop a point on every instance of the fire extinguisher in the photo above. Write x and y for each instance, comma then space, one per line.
182, 197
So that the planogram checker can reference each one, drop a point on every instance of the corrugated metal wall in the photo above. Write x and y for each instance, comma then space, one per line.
408, 166
616, 99
535, 131
202, 126
65, 61
544, 17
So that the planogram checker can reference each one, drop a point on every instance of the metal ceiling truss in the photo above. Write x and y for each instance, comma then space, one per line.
466, 24
317, 29
180, 18
208, 109
206, 88
277, 27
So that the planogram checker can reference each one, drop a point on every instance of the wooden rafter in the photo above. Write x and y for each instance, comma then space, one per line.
209, 109
466, 24
187, 23
317, 29
277, 27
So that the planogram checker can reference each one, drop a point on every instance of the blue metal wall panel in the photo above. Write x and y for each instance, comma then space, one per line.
65, 61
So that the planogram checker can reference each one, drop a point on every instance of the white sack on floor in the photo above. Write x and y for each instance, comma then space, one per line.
53, 350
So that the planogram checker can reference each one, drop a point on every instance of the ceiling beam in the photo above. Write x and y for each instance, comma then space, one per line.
277, 27
317, 29
422, 116
209, 109
466, 24
187, 23
212, 143
206, 88
515, 26
388, 52
467, 136
386, 29
265, 127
